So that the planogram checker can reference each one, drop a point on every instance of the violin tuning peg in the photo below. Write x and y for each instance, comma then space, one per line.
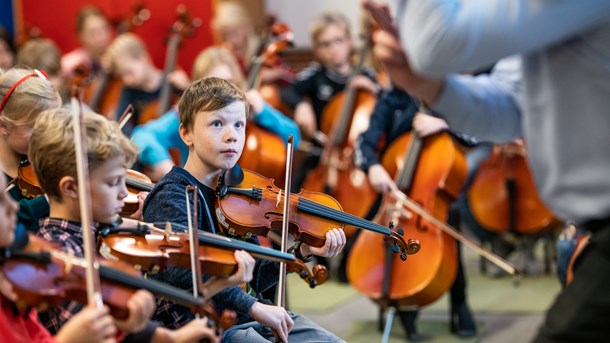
395, 248
400, 231
403, 256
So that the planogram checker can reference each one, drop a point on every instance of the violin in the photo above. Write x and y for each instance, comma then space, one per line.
42, 276
152, 249
136, 182
27, 181
254, 206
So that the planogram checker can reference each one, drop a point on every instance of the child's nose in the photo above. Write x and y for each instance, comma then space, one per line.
231, 135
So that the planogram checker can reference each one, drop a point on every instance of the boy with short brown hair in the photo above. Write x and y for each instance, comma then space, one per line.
213, 118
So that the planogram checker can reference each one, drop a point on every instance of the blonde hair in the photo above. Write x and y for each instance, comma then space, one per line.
209, 94
230, 13
52, 147
42, 54
28, 99
326, 19
213, 57
125, 45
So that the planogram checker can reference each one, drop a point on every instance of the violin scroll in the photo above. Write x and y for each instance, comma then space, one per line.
410, 247
317, 276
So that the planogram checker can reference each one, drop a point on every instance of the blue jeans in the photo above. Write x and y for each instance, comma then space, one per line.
304, 330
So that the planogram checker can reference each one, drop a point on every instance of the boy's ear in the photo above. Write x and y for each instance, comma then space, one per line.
185, 134
68, 187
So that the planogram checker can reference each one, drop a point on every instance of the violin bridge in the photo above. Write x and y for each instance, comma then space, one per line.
279, 199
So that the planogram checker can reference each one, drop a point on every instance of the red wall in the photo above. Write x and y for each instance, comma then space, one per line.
55, 19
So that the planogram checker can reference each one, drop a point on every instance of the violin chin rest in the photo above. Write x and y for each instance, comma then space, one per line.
234, 176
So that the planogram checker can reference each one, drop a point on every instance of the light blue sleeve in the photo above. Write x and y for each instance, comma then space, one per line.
484, 106
274, 121
444, 36
155, 138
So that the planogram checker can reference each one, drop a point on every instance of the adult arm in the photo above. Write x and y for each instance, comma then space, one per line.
444, 36
485, 106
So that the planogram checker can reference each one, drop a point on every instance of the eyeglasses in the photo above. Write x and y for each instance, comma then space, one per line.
335, 41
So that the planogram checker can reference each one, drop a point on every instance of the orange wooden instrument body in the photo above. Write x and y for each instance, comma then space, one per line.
503, 195
264, 152
43, 275
336, 174
438, 174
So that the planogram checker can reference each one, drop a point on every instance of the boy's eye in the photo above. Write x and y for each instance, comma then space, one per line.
216, 123
239, 125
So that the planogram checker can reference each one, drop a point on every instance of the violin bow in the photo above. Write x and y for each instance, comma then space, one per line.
92, 275
415, 207
281, 288
193, 231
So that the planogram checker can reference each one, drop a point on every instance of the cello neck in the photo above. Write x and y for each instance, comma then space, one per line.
404, 177
340, 129
170, 65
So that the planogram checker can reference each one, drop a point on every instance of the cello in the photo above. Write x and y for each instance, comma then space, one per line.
264, 151
344, 118
503, 196
433, 182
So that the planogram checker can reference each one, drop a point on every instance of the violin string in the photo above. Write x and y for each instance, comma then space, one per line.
331, 213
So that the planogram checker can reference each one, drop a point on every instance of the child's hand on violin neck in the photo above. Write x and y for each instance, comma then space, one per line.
245, 268
335, 242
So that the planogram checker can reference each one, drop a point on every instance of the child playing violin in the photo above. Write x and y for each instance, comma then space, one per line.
395, 114
212, 124
109, 153
129, 60
154, 139
17, 326
24, 95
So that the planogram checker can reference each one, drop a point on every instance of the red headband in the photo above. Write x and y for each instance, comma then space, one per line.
36, 72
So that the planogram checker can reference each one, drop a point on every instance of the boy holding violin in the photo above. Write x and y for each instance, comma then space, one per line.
23, 326
109, 153
212, 124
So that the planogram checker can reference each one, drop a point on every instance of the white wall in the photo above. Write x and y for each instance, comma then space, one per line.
299, 15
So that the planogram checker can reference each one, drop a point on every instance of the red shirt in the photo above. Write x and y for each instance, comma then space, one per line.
21, 328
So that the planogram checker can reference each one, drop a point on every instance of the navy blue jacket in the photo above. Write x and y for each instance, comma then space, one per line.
166, 202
